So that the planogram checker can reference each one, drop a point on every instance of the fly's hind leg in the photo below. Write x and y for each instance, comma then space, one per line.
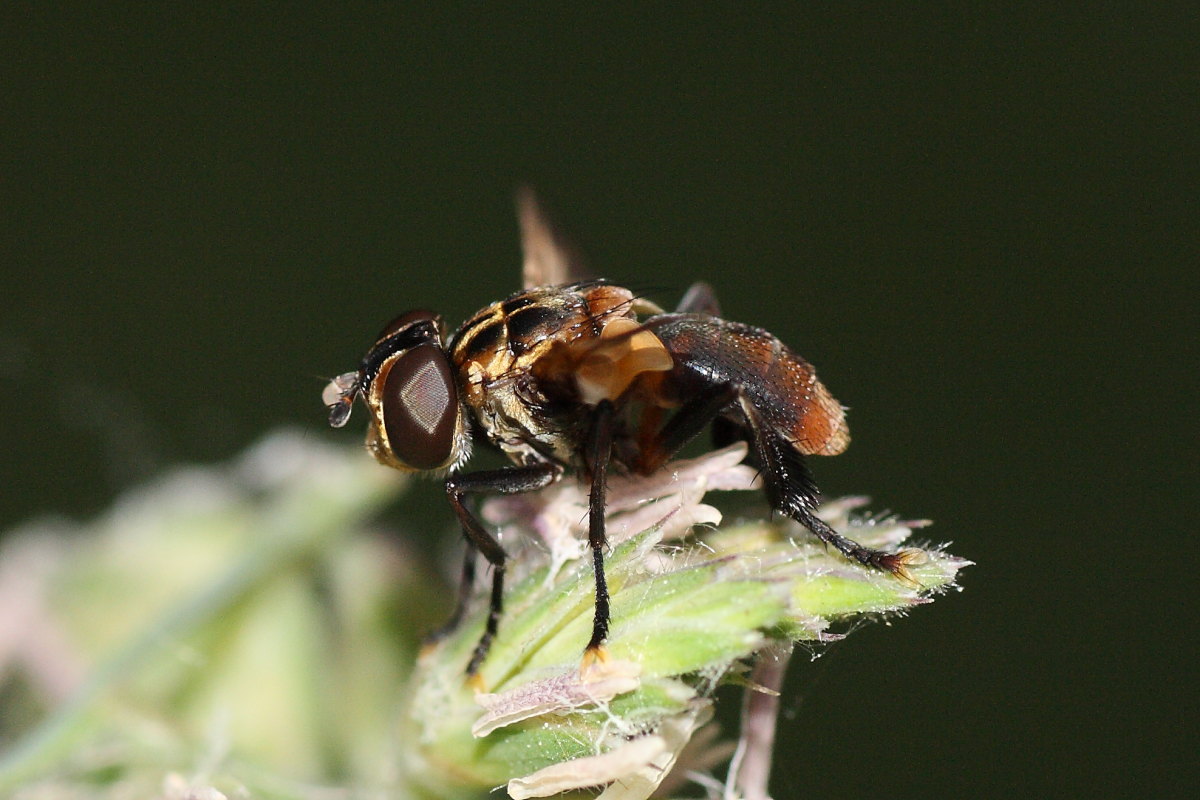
789, 484
792, 490
896, 563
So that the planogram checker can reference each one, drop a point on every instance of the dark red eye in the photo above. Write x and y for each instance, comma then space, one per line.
419, 406
407, 319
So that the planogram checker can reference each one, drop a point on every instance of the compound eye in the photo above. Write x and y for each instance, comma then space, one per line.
419, 408
408, 319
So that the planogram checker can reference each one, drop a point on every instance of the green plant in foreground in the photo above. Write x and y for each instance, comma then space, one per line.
245, 632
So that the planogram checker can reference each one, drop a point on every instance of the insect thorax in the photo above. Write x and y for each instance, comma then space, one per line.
506, 357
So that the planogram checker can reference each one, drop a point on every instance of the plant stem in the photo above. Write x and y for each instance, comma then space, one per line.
750, 769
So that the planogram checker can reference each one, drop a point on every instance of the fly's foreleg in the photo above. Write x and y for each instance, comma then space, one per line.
512, 480
466, 584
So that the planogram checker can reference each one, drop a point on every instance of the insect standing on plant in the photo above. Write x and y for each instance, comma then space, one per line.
583, 375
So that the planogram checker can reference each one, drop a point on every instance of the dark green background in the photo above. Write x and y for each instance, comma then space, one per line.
979, 223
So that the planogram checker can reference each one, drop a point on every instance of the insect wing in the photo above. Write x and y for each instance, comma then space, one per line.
700, 299
549, 259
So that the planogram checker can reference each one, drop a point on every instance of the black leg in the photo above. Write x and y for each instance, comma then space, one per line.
682, 427
791, 490
599, 452
725, 432
513, 480
465, 585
